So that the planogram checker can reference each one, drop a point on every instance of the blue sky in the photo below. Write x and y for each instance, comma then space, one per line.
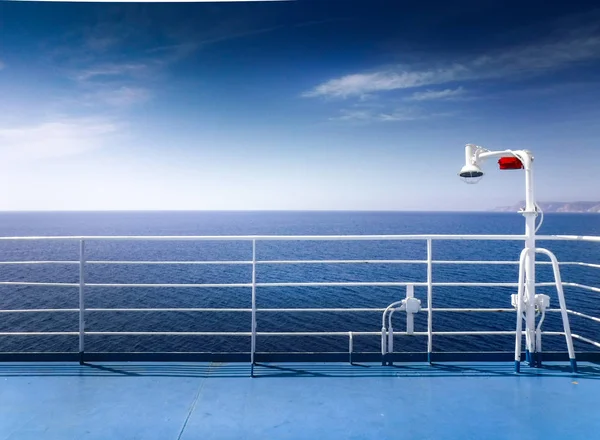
323, 104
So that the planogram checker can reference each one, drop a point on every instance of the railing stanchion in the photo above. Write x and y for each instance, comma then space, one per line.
350, 347
81, 300
253, 330
429, 302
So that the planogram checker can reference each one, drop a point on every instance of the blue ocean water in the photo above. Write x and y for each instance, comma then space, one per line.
278, 223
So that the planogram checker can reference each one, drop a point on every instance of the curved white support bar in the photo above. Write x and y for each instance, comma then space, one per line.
563, 305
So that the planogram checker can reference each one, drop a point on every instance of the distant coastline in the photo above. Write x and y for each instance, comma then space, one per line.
556, 207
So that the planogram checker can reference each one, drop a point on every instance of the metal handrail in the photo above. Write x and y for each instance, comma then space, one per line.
266, 262
491, 237
253, 285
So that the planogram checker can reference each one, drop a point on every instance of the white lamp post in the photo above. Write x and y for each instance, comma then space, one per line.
525, 300
472, 173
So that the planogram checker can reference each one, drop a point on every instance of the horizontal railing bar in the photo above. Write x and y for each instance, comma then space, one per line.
39, 333
26, 283
508, 262
294, 284
581, 286
475, 262
38, 310
374, 333
299, 237
168, 333
270, 310
39, 262
583, 315
472, 333
283, 310
345, 334
478, 310
272, 237
170, 309
341, 284
243, 262
574, 263
568, 237
341, 262
382, 284
584, 339
166, 285
459, 284
200, 262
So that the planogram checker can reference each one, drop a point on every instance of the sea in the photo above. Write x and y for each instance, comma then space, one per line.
278, 223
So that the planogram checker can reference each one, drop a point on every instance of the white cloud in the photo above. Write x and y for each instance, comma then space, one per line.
123, 96
436, 94
372, 115
399, 115
578, 46
353, 115
364, 83
61, 137
110, 70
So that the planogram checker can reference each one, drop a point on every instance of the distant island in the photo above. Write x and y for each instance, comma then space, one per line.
556, 207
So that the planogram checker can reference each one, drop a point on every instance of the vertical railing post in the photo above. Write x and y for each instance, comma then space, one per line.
350, 346
253, 329
429, 301
520, 307
81, 300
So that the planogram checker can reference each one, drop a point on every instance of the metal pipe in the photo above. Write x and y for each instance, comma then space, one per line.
530, 215
518, 332
582, 286
563, 306
282, 310
242, 262
253, 320
341, 262
350, 347
429, 301
500, 237
584, 339
583, 315
384, 331
81, 300
390, 332
249, 334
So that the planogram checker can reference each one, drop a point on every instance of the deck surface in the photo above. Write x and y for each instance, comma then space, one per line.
188, 401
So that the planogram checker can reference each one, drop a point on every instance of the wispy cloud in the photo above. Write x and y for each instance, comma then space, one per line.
54, 138
360, 84
370, 115
353, 115
124, 96
573, 47
430, 95
108, 70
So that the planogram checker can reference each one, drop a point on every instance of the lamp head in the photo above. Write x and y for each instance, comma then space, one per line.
471, 173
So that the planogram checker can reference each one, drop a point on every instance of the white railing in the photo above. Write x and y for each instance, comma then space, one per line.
253, 285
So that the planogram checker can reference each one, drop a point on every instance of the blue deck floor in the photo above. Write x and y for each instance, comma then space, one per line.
188, 401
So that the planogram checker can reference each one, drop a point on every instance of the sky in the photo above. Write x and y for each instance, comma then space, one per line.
307, 104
